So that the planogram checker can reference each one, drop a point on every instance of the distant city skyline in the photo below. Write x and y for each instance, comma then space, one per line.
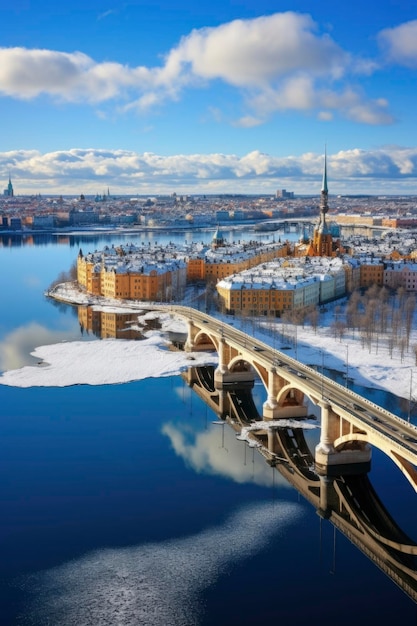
147, 98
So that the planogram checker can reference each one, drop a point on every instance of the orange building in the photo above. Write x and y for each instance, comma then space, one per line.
115, 275
371, 273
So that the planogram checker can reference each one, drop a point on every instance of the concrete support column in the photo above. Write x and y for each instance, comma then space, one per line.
326, 484
326, 441
222, 366
224, 405
270, 405
332, 462
271, 401
221, 371
189, 344
272, 440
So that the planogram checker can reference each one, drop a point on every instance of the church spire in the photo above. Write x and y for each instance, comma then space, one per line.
324, 206
322, 238
9, 191
324, 186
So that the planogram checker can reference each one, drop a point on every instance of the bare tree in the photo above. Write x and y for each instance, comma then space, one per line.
402, 346
400, 297
410, 305
391, 344
314, 318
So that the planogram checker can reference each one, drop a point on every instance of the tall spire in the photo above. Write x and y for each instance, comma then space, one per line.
10, 192
324, 206
324, 186
322, 238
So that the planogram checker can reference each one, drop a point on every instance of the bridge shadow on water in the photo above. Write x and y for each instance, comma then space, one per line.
349, 502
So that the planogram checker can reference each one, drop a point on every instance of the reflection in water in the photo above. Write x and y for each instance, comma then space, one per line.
156, 584
16, 347
348, 501
218, 451
97, 238
109, 324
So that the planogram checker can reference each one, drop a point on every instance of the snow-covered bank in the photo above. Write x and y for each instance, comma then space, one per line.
118, 361
109, 361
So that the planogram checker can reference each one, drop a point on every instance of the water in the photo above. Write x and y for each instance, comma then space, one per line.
126, 505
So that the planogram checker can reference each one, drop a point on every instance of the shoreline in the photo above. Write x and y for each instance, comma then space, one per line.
370, 369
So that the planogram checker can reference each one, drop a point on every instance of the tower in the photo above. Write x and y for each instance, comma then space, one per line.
9, 190
217, 240
322, 239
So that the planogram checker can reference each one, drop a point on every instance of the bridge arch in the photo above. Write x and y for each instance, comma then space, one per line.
240, 364
289, 395
403, 465
344, 415
204, 340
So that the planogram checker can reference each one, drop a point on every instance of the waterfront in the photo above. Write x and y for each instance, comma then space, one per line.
126, 502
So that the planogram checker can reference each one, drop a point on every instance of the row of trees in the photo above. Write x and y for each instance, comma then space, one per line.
374, 315
378, 313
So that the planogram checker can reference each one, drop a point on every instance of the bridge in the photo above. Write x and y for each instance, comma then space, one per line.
348, 501
350, 424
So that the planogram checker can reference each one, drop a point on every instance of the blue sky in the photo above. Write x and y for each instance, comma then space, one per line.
209, 97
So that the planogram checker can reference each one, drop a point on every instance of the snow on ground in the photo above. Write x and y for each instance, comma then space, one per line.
374, 369
113, 361
105, 362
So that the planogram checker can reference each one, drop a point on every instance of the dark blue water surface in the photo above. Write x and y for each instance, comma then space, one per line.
126, 505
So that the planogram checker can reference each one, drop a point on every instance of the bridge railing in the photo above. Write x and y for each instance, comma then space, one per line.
284, 359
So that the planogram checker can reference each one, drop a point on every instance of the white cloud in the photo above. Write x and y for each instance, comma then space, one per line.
371, 112
325, 116
248, 121
125, 172
400, 43
72, 76
105, 14
249, 53
275, 63
301, 93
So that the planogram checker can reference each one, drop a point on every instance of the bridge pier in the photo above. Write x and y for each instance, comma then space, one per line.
191, 334
221, 373
273, 446
190, 344
223, 378
271, 404
330, 461
283, 412
272, 409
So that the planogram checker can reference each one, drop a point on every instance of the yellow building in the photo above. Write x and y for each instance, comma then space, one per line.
281, 286
117, 275
355, 219
268, 299
157, 275
223, 261
88, 274
151, 284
